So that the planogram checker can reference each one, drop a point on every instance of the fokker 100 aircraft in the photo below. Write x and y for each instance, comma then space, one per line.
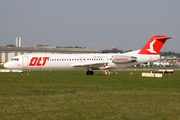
88, 62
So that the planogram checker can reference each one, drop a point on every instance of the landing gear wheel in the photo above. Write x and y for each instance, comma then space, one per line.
89, 73
22, 73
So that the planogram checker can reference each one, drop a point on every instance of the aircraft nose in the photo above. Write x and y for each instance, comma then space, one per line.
6, 65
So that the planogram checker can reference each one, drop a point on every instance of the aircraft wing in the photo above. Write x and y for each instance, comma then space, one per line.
93, 65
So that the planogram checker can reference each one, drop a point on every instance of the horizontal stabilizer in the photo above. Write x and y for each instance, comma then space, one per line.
165, 37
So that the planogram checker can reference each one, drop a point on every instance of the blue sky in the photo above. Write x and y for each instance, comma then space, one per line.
124, 24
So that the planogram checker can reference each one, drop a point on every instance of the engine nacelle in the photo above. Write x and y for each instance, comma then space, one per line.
123, 59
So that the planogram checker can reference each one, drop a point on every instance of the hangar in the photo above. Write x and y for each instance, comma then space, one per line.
7, 52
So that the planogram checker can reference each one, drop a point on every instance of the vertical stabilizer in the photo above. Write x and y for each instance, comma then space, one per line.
154, 45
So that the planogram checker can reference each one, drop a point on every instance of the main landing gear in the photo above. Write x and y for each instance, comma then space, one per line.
89, 73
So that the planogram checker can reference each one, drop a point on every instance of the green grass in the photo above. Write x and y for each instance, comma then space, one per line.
2, 67
70, 95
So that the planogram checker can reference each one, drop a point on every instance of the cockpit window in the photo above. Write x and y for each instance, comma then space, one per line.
15, 59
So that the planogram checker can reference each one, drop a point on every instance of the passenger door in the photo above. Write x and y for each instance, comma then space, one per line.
24, 61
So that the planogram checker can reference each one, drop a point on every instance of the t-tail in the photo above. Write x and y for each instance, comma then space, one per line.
154, 45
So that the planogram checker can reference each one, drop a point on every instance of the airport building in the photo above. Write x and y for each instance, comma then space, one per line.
164, 61
168, 61
9, 51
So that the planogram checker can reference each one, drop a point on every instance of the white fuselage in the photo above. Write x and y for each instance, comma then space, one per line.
74, 61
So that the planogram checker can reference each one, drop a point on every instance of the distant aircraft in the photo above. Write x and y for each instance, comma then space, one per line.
88, 62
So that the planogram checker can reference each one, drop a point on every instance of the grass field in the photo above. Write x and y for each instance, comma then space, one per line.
70, 95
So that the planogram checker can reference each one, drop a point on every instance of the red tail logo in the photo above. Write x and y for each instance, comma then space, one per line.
154, 45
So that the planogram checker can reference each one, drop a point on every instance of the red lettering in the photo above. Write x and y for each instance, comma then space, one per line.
33, 61
36, 62
118, 59
45, 58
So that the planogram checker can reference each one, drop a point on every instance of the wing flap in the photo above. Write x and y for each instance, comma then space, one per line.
88, 65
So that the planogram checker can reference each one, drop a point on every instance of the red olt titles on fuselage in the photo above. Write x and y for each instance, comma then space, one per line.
35, 61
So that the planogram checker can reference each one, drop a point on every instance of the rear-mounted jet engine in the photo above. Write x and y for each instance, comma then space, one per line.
123, 59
